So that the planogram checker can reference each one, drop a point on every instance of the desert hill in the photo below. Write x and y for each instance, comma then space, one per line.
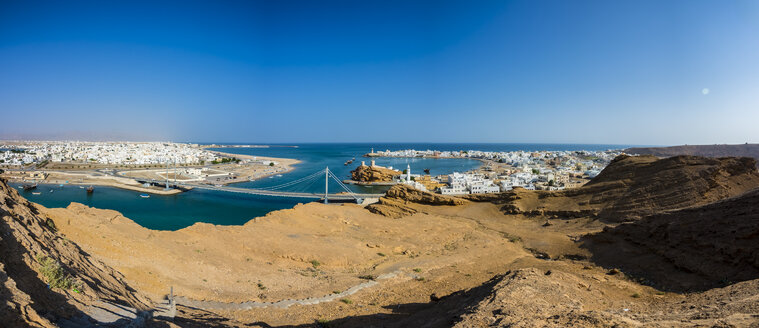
46, 279
631, 187
742, 150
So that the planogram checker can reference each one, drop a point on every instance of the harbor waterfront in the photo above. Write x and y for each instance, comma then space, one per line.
172, 212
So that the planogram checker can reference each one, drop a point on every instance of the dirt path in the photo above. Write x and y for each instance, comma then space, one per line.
283, 304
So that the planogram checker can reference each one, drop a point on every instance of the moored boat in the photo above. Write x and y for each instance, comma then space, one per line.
90, 189
144, 195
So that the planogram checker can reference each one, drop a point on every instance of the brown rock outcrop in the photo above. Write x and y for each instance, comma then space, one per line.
396, 200
26, 236
366, 173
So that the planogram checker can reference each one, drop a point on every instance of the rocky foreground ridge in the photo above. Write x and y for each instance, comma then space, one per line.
47, 280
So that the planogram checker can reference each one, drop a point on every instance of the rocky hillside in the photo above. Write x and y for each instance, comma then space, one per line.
366, 173
539, 298
394, 203
47, 279
631, 187
692, 249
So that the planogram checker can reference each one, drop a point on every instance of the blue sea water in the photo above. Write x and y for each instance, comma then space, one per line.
182, 210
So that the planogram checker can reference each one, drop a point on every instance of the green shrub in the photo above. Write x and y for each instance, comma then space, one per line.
346, 301
54, 274
323, 323
315, 263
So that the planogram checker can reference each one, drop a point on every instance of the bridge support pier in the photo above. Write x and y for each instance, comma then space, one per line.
326, 185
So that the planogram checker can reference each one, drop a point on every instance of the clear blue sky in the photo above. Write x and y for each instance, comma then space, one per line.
624, 72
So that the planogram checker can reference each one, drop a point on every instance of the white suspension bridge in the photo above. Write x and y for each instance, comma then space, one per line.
344, 194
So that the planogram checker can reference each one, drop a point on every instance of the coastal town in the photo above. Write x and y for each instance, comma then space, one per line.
124, 164
139, 166
110, 153
501, 171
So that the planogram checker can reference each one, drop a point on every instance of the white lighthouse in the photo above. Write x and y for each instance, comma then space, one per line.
408, 173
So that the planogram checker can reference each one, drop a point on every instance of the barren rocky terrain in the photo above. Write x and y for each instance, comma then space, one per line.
649, 242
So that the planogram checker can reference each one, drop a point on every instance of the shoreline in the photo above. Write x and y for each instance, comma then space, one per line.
287, 164
128, 183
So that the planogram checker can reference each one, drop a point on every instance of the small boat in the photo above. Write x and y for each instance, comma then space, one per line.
30, 186
90, 189
144, 195
279, 175
51, 190
81, 187
427, 171
36, 193
20, 187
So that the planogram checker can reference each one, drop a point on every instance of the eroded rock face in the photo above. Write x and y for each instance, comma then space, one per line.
632, 187
26, 236
366, 173
691, 249
396, 201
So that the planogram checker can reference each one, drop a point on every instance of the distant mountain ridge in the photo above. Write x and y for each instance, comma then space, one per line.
741, 150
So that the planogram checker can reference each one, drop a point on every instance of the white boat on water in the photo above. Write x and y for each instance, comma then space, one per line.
36, 193
145, 196
279, 175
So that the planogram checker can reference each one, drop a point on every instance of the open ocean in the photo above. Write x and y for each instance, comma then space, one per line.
218, 207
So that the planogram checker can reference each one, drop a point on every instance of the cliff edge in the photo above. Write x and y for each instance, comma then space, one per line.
46, 280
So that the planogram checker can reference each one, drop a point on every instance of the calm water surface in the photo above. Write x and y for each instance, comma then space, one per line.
178, 211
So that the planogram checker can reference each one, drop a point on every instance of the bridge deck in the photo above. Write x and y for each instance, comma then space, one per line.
265, 192
252, 191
